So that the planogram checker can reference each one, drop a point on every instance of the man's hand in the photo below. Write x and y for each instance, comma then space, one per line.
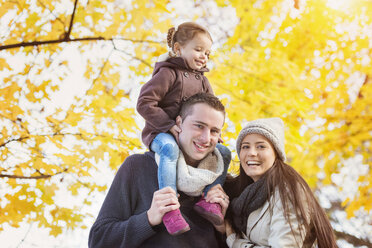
217, 195
175, 130
163, 201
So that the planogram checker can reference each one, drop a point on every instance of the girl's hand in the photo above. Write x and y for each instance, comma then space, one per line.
175, 130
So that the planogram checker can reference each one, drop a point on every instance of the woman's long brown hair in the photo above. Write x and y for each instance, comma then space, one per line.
293, 192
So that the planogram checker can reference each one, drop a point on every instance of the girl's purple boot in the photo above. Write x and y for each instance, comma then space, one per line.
175, 223
210, 211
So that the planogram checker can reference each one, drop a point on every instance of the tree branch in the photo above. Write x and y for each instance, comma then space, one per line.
67, 35
360, 95
67, 39
65, 134
11, 140
26, 234
46, 42
352, 239
51, 12
31, 177
134, 57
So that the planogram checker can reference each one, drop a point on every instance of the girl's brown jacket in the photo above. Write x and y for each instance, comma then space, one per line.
160, 98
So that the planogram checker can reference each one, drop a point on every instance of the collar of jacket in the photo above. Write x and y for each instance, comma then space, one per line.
178, 62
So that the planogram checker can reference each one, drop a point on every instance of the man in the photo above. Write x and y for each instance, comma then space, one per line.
131, 215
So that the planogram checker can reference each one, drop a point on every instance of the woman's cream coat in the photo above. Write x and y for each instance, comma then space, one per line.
265, 229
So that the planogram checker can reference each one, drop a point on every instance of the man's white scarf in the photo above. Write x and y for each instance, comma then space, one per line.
191, 180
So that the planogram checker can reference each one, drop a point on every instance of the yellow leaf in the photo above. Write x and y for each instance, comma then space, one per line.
4, 64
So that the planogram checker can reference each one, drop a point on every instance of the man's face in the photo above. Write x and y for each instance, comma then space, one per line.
200, 132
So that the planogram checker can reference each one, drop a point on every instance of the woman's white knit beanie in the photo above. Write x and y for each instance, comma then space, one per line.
271, 128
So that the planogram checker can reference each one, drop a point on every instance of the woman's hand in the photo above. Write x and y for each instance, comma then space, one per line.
228, 228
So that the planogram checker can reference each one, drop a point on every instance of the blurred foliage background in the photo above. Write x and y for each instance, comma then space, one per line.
70, 73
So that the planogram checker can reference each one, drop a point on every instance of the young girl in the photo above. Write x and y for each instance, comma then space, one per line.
176, 77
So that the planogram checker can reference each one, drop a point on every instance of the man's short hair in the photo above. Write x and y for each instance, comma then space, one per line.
207, 98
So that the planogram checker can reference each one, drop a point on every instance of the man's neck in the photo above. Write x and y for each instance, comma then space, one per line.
191, 162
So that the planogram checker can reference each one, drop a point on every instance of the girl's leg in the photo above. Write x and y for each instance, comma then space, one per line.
165, 145
226, 156
212, 211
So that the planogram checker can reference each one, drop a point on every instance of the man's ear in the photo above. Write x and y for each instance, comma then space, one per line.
178, 121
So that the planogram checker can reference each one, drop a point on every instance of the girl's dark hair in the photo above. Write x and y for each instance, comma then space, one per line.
185, 32
293, 192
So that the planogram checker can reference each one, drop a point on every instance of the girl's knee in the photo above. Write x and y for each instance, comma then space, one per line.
171, 151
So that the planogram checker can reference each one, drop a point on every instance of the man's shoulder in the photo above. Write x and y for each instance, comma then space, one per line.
139, 160
137, 166
145, 155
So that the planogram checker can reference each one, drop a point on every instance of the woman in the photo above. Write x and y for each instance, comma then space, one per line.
272, 204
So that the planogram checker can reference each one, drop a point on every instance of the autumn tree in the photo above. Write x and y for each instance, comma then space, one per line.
44, 146
304, 61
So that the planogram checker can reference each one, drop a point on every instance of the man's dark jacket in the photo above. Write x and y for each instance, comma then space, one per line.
122, 220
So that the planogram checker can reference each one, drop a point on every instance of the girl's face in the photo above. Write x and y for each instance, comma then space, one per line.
257, 155
195, 51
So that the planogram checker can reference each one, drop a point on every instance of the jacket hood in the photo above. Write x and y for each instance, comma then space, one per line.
176, 63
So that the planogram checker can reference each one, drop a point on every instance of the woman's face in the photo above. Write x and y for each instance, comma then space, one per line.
257, 155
